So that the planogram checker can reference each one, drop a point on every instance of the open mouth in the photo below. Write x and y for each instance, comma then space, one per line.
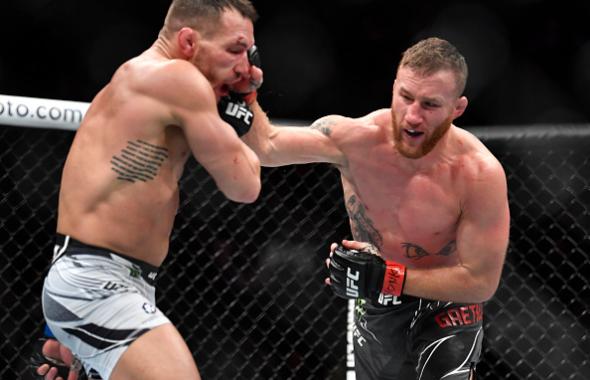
413, 133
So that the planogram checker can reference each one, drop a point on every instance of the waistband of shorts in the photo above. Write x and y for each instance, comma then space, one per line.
147, 271
389, 301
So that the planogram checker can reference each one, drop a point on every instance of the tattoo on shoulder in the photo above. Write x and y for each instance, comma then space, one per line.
138, 161
361, 225
323, 125
415, 252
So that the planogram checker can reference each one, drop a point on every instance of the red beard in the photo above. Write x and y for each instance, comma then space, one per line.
427, 145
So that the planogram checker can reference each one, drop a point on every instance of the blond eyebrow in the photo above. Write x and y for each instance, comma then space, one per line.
422, 99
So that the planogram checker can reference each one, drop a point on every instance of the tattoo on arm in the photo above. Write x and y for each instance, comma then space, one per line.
323, 125
415, 252
361, 225
138, 161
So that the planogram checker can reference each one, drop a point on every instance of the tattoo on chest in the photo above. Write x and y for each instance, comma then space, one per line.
415, 252
362, 226
323, 126
138, 161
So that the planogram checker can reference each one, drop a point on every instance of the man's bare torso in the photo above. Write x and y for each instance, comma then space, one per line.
120, 181
410, 215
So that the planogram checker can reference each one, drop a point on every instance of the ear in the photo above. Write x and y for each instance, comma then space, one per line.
460, 106
188, 41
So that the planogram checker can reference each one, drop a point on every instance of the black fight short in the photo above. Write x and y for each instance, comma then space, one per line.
411, 338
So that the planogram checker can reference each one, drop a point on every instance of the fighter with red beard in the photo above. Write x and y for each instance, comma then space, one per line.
429, 215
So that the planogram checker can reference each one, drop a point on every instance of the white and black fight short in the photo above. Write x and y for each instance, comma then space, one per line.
97, 302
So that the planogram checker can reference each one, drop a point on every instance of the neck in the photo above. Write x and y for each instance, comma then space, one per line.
163, 47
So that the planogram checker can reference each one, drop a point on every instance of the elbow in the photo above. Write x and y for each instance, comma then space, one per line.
245, 194
486, 295
249, 186
251, 195
480, 284
485, 290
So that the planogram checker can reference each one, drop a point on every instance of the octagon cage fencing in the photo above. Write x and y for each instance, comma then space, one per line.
244, 283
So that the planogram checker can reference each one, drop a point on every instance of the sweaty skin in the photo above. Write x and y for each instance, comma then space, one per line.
120, 182
426, 193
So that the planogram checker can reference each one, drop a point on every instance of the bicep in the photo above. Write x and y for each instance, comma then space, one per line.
483, 231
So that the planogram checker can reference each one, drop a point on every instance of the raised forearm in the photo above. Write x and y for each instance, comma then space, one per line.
258, 138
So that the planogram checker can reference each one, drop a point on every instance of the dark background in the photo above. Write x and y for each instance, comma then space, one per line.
529, 63
529, 59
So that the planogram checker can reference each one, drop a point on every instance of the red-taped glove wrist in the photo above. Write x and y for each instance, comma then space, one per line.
394, 278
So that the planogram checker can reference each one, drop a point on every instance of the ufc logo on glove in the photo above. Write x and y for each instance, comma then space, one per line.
235, 111
352, 288
239, 112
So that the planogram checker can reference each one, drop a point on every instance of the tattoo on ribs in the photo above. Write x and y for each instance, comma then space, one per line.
362, 226
138, 161
323, 126
415, 252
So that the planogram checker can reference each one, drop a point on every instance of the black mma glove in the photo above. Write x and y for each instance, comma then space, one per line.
37, 359
361, 274
234, 109
254, 57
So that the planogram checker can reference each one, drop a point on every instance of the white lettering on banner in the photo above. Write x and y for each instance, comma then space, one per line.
41, 113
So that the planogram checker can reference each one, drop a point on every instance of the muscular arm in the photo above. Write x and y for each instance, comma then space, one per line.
234, 167
482, 241
284, 145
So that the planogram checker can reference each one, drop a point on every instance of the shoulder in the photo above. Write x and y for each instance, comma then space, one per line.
484, 188
477, 152
345, 128
174, 82
330, 123
380, 116
479, 167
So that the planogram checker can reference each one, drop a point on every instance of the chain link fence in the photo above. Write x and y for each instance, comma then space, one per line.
244, 283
